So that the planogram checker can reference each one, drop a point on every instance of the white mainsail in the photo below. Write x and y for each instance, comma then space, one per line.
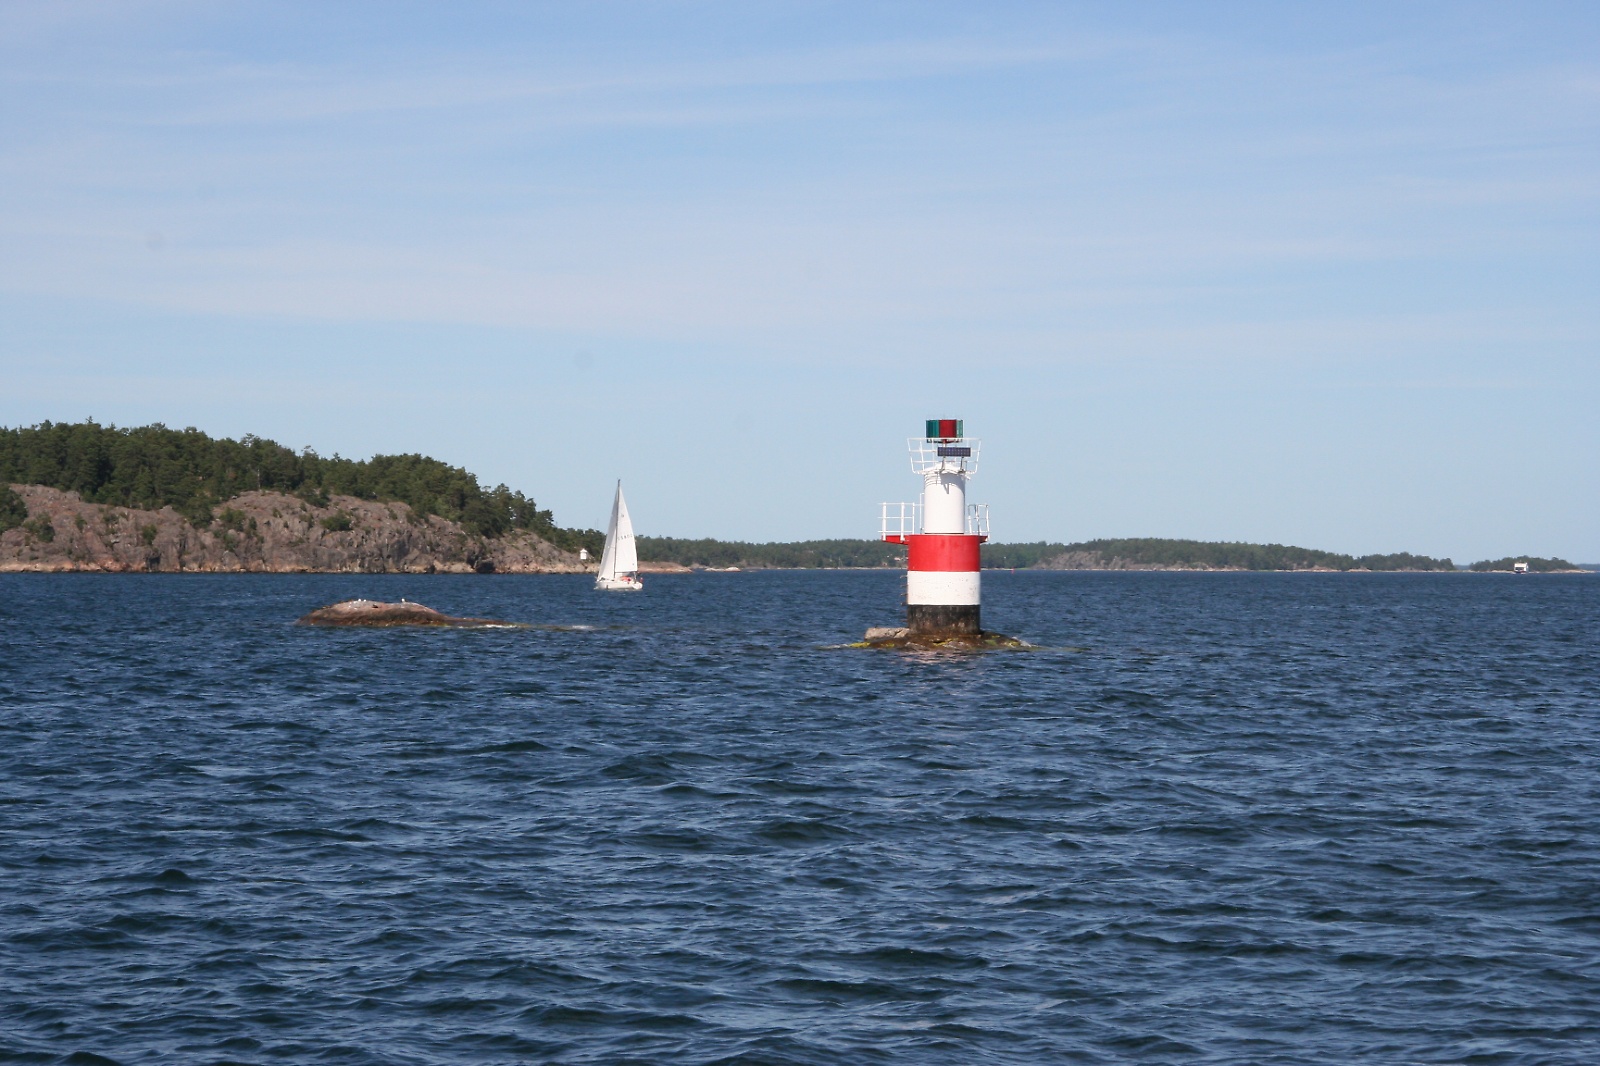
619, 563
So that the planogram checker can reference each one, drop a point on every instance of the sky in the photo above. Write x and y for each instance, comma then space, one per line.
1317, 274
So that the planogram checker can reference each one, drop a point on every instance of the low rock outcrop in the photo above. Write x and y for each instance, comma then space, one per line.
404, 613
900, 637
265, 532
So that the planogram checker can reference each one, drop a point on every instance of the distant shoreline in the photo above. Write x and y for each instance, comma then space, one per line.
1302, 570
50, 530
32, 569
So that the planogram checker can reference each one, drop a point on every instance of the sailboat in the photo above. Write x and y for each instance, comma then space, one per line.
619, 563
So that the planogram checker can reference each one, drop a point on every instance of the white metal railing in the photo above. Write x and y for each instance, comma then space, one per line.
905, 519
899, 520
926, 457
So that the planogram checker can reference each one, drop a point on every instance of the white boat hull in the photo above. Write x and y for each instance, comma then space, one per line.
619, 584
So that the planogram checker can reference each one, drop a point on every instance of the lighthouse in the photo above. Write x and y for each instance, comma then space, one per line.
941, 533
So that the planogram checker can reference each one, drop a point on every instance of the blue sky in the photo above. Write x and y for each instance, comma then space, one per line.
1316, 274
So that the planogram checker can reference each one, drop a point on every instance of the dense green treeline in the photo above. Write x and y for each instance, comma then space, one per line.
800, 555
152, 467
1019, 556
1153, 551
1538, 566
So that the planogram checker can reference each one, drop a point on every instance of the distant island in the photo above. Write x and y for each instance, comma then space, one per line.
1144, 553
87, 497
1148, 553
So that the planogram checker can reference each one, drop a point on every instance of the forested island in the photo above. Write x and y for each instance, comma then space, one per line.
1150, 553
82, 496
88, 497
151, 467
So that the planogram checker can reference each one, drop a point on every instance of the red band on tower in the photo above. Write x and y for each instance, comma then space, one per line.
949, 552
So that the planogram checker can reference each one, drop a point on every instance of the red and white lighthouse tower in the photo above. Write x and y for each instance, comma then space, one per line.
941, 532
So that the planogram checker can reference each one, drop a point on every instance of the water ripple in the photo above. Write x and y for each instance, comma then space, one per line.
1229, 818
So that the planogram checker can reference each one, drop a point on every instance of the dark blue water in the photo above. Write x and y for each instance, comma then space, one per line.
1225, 818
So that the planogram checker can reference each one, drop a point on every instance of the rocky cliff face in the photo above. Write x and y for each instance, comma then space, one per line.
265, 532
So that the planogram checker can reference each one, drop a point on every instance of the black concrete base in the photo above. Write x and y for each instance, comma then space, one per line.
922, 618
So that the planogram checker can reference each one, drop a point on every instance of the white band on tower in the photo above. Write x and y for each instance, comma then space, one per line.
943, 587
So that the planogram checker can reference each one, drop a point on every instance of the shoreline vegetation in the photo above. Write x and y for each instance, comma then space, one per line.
86, 497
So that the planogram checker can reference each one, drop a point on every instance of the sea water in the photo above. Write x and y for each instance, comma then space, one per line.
1215, 818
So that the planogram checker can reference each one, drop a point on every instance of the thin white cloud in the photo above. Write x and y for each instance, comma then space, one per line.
354, 190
